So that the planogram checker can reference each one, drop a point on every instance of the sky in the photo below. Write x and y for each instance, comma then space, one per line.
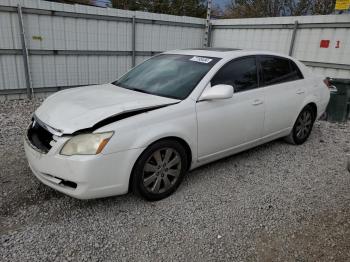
102, 3
221, 3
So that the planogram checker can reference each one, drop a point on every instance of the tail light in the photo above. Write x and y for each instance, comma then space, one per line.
327, 82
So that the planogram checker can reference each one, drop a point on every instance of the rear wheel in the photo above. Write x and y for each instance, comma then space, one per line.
302, 127
159, 170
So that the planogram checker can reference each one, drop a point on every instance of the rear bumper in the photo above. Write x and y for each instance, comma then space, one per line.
83, 177
324, 103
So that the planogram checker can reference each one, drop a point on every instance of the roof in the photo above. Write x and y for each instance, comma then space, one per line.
215, 49
228, 53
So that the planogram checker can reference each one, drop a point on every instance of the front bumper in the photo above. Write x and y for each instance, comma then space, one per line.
83, 177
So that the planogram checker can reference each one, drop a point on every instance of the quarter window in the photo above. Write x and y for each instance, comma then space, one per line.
241, 74
296, 70
277, 70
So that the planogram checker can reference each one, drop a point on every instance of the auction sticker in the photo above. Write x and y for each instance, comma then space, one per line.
201, 59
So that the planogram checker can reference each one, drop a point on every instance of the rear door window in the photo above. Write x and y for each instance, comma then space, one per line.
276, 70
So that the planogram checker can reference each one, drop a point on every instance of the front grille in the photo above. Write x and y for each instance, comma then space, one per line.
39, 137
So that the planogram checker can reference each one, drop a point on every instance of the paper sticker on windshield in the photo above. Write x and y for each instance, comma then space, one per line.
200, 59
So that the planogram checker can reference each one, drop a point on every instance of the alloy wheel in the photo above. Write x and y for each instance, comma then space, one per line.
161, 170
304, 124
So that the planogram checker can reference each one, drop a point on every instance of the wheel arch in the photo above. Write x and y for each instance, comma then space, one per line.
179, 140
314, 108
309, 102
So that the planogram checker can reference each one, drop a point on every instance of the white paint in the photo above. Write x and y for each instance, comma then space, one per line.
78, 108
212, 128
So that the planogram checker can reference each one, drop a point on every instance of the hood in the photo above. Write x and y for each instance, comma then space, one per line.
79, 108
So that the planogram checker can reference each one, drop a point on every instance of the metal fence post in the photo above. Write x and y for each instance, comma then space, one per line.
291, 46
133, 42
25, 54
207, 25
210, 28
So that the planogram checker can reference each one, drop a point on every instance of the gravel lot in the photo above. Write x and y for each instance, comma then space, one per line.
276, 202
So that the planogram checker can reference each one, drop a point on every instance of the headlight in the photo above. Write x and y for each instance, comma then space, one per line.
86, 144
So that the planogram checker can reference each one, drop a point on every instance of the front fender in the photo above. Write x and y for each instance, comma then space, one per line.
141, 130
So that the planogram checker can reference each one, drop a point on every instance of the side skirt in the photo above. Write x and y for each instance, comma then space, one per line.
237, 149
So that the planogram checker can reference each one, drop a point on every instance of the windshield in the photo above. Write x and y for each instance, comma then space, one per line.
173, 76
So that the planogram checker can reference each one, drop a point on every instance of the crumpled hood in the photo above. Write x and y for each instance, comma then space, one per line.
71, 110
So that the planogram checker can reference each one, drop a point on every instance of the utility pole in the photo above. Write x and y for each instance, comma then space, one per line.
207, 26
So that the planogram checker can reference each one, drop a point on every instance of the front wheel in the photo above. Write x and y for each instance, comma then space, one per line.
302, 127
159, 170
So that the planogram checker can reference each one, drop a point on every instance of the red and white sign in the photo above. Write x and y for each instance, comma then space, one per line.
324, 43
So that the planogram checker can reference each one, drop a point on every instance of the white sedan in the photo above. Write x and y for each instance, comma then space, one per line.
172, 113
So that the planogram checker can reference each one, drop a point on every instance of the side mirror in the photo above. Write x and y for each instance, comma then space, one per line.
217, 92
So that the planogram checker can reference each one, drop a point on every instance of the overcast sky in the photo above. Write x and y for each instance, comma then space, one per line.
221, 3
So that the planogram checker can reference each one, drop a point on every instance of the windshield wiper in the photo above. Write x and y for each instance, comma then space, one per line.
144, 91
139, 90
131, 88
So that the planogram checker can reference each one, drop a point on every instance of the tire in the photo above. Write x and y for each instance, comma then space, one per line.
159, 170
302, 126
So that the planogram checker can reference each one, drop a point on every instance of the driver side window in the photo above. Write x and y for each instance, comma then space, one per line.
240, 73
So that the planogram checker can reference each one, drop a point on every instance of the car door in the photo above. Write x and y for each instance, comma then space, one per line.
284, 93
226, 124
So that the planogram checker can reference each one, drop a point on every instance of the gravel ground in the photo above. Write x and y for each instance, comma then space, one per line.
276, 202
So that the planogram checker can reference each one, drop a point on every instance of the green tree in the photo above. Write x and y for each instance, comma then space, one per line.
271, 8
323, 7
195, 8
302, 7
127, 4
82, 2
252, 8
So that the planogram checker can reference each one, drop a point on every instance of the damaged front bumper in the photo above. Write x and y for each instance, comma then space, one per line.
82, 176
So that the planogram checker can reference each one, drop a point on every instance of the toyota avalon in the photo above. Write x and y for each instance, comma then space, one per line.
170, 114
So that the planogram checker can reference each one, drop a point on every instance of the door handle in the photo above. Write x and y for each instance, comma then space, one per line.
300, 91
257, 102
